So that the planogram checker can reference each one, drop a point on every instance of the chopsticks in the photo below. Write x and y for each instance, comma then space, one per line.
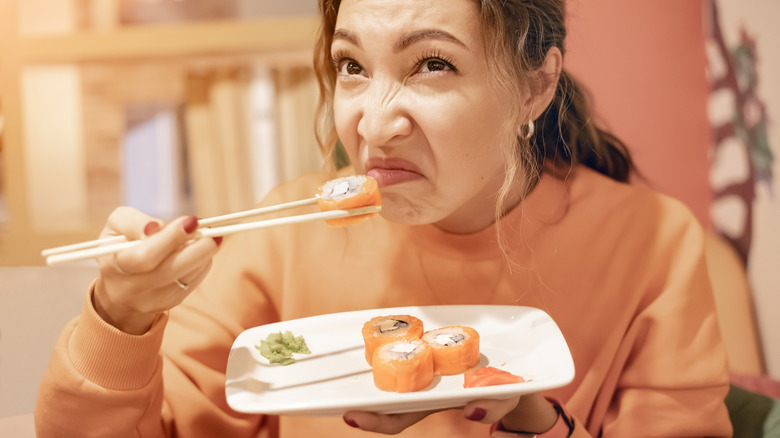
110, 245
216, 220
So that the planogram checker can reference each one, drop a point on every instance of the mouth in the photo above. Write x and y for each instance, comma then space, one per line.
392, 171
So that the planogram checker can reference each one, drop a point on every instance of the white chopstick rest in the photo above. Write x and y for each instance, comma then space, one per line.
83, 254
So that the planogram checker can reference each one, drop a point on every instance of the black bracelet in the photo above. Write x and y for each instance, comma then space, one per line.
500, 432
569, 421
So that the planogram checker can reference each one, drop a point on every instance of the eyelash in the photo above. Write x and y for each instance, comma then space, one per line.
338, 58
341, 56
435, 56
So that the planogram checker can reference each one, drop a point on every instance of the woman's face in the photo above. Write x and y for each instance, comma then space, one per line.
414, 111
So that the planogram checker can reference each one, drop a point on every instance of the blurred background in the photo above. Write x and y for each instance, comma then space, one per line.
200, 106
172, 106
692, 88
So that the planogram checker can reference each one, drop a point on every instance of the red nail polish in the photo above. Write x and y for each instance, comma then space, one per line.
477, 415
218, 240
151, 228
190, 224
350, 422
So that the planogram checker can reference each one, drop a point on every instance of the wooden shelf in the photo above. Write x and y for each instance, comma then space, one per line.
279, 38
24, 249
205, 38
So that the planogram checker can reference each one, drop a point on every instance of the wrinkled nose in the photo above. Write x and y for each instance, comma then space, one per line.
385, 115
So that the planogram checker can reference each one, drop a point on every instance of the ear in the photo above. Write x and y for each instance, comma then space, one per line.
548, 75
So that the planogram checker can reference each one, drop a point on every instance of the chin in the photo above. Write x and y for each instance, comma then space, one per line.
401, 211
404, 219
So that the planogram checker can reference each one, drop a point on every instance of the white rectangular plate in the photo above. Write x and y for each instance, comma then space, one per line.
335, 378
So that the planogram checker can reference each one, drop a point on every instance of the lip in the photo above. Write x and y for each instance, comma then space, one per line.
391, 171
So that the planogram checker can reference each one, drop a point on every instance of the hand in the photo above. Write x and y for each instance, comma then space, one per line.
530, 413
527, 413
137, 284
388, 424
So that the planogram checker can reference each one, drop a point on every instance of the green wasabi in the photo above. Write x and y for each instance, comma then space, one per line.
279, 347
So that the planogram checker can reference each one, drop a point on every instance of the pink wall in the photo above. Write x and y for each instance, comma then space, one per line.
645, 65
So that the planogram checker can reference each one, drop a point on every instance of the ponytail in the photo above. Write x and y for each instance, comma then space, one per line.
566, 135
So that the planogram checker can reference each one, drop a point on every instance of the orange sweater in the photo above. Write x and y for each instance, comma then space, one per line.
619, 268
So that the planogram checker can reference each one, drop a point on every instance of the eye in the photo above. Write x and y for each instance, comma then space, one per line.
435, 64
349, 67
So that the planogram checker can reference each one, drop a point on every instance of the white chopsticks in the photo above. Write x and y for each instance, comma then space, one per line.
216, 220
99, 247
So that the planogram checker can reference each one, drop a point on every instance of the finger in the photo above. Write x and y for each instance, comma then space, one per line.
193, 279
166, 286
489, 411
157, 247
152, 227
185, 263
389, 424
182, 272
189, 259
131, 223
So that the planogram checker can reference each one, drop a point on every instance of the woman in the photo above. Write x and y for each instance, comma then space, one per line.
496, 189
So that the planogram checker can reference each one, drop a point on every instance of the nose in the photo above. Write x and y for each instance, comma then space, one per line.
385, 116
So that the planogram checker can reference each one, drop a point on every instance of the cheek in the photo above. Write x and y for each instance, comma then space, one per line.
466, 134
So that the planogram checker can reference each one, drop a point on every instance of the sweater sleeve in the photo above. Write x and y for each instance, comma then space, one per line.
171, 380
168, 382
670, 376
101, 381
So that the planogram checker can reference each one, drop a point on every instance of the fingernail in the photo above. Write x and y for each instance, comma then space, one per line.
151, 228
350, 422
477, 414
190, 224
218, 240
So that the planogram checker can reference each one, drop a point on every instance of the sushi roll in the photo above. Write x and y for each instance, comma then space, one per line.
349, 192
383, 329
403, 366
455, 349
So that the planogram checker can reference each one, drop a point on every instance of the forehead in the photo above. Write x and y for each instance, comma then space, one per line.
390, 19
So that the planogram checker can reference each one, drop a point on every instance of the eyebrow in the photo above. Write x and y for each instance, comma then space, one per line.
343, 34
426, 34
406, 41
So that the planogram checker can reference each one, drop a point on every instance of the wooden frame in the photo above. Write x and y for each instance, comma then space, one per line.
20, 243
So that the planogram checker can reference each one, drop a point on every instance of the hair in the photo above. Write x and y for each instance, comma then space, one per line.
518, 35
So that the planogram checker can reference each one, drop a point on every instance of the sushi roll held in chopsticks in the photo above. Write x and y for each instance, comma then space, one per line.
383, 329
455, 349
403, 366
349, 192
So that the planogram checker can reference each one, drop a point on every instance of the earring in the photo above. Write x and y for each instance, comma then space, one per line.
530, 133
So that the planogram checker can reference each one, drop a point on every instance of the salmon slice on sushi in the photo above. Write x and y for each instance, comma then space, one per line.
383, 329
455, 349
403, 366
348, 192
489, 376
